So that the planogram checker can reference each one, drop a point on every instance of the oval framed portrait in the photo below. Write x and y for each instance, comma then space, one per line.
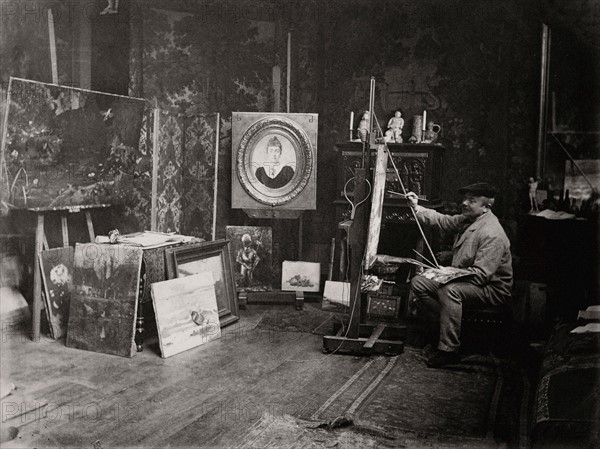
274, 160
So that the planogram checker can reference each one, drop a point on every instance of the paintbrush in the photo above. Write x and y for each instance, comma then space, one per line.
427, 260
402, 195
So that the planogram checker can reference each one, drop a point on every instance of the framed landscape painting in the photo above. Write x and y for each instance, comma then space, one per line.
213, 257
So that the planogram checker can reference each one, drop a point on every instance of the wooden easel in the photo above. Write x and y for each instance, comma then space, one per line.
275, 296
41, 243
364, 337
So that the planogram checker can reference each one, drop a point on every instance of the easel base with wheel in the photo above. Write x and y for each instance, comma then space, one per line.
382, 339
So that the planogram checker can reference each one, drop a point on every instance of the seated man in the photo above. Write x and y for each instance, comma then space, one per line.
481, 246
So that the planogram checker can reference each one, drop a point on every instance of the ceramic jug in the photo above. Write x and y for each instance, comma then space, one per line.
431, 134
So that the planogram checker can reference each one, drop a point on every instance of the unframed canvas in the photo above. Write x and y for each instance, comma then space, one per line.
186, 313
300, 276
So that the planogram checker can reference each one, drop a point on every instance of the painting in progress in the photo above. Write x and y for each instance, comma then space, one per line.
70, 147
57, 272
186, 313
300, 276
251, 250
104, 301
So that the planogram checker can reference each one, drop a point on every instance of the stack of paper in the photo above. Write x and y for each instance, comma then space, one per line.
591, 313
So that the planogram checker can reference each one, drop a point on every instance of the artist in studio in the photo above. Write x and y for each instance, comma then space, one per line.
480, 246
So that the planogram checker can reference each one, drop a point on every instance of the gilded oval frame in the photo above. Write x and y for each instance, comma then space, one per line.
298, 139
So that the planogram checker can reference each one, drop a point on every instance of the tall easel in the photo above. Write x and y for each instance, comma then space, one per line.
365, 337
41, 242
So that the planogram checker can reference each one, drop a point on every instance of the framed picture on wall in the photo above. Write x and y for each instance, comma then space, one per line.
211, 257
274, 158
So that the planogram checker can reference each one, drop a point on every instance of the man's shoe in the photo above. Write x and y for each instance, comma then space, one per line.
443, 358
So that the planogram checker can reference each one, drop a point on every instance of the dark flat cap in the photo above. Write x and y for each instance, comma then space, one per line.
479, 189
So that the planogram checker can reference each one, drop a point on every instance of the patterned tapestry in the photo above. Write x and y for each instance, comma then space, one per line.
186, 174
170, 157
200, 162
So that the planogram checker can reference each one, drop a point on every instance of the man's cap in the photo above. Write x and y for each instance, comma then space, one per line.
479, 189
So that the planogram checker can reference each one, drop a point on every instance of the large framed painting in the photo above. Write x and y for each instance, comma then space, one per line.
274, 158
213, 257
252, 251
65, 146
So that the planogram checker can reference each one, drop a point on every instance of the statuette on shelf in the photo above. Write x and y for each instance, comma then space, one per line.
363, 127
395, 125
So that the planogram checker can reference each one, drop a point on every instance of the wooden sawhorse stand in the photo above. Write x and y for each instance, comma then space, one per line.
41, 243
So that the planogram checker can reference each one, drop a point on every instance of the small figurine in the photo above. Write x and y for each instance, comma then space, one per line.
363, 127
429, 135
396, 124
533, 185
112, 8
389, 136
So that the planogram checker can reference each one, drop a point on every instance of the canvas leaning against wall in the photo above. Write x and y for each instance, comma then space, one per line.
252, 253
69, 147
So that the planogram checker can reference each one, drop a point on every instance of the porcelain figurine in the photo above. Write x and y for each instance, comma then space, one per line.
395, 124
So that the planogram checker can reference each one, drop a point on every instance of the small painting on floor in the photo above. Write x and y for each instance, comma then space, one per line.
252, 252
57, 273
103, 311
186, 312
300, 276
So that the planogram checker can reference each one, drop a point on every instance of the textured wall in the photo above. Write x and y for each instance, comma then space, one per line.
473, 65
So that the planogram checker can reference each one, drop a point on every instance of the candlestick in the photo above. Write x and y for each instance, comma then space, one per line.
424, 120
351, 120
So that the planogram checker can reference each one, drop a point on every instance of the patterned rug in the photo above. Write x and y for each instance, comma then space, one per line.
483, 400
398, 402
311, 319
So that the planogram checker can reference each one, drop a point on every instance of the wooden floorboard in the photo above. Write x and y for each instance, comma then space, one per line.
220, 394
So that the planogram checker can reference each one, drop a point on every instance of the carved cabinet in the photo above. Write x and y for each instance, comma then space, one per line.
420, 168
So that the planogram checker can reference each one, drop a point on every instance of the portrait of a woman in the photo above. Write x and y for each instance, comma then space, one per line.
273, 173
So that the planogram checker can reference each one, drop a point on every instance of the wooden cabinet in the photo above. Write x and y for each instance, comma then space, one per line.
420, 168
419, 165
